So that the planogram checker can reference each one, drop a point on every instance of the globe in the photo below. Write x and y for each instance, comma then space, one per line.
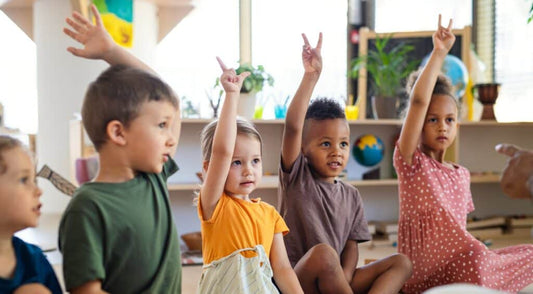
456, 71
368, 150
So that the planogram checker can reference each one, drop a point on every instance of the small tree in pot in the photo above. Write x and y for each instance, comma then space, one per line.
387, 69
252, 85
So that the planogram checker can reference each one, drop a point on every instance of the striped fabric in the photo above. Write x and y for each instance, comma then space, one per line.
238, 274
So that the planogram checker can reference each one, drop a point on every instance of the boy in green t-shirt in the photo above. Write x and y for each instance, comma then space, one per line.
117, 234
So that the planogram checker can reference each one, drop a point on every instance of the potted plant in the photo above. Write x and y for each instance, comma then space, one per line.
387, 68
252, 85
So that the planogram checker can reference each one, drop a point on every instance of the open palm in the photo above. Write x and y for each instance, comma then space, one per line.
97, 42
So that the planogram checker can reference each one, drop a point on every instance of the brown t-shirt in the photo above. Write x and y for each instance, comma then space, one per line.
319, 212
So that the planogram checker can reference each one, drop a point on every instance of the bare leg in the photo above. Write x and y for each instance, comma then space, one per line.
383, 276
320, 271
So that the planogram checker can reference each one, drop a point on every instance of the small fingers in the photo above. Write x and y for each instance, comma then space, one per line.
80, 18
75, 25
319, 43
306, 41
75, 51
73, 35
97, 16
245, 74
450, 24
440, 18
222, 65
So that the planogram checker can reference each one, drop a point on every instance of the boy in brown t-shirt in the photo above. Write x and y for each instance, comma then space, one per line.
324, 214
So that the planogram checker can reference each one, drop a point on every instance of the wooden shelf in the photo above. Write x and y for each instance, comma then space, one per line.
271, 182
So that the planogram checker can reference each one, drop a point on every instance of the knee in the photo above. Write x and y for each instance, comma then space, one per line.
404, 263
324, 257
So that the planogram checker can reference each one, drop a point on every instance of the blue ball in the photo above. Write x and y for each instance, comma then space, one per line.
368, 150
456, 71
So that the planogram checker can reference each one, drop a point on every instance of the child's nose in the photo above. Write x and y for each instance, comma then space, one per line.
38, 191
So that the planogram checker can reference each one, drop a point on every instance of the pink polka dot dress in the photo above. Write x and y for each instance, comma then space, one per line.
434, 203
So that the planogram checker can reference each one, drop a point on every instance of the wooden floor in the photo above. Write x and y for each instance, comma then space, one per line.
46, 237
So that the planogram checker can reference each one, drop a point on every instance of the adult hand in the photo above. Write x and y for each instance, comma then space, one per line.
516, 180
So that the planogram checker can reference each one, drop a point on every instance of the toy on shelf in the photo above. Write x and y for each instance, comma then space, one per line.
368, 150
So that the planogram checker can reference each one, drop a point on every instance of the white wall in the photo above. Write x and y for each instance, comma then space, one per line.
62, 80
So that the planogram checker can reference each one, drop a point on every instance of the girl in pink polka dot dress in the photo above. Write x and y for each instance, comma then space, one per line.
435, 195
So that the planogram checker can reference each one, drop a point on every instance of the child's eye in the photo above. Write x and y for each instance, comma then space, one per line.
162, 125
256, 161
24, 180
450, 119
432, 119
236, 162
325, 144
344, 144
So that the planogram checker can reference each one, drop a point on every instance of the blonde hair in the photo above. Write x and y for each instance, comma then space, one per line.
244, 127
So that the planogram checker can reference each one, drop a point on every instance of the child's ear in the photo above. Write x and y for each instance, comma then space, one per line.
115, 131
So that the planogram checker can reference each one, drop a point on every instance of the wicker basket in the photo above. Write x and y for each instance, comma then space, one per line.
193, 240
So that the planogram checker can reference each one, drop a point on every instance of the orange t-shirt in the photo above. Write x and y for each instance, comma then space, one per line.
237, 224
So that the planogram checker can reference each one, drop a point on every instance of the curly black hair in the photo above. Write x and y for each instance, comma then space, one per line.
324, 108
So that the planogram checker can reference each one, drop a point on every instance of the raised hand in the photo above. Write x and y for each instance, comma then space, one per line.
231, 82
96, 40
443, 38
311, 57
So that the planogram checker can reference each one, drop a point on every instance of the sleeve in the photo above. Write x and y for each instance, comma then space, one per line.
169, 168
81, 236
359, 231
279, 224
220, 204
286, 178
49, 277
403, 169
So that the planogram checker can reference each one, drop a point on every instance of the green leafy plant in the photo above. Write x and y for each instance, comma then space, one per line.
387, 68
257, 78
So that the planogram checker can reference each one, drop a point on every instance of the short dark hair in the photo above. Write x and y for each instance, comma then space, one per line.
324, 108
7, 143
118, 94
244, 127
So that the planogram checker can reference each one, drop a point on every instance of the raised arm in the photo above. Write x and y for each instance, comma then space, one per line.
223, 142
97, 42
292, 134
443, 40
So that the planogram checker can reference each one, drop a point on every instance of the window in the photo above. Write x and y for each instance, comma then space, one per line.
277, 26
400, 16
513, 61
18, 77
186, 57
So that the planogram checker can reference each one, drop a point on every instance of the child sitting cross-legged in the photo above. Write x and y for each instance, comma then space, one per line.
326, 215
242, 238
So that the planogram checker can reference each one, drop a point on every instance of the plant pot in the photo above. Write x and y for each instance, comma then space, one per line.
246, 107
384, 107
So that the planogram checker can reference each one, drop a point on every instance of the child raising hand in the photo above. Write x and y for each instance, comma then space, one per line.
435, 195
242, 238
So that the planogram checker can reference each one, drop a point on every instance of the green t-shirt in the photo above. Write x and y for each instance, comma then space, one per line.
124, 235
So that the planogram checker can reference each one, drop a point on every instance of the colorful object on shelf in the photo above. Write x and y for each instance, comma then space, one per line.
368, 150
487, 95
258, 113
280, 111
117, 16
352, 112
456, 71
